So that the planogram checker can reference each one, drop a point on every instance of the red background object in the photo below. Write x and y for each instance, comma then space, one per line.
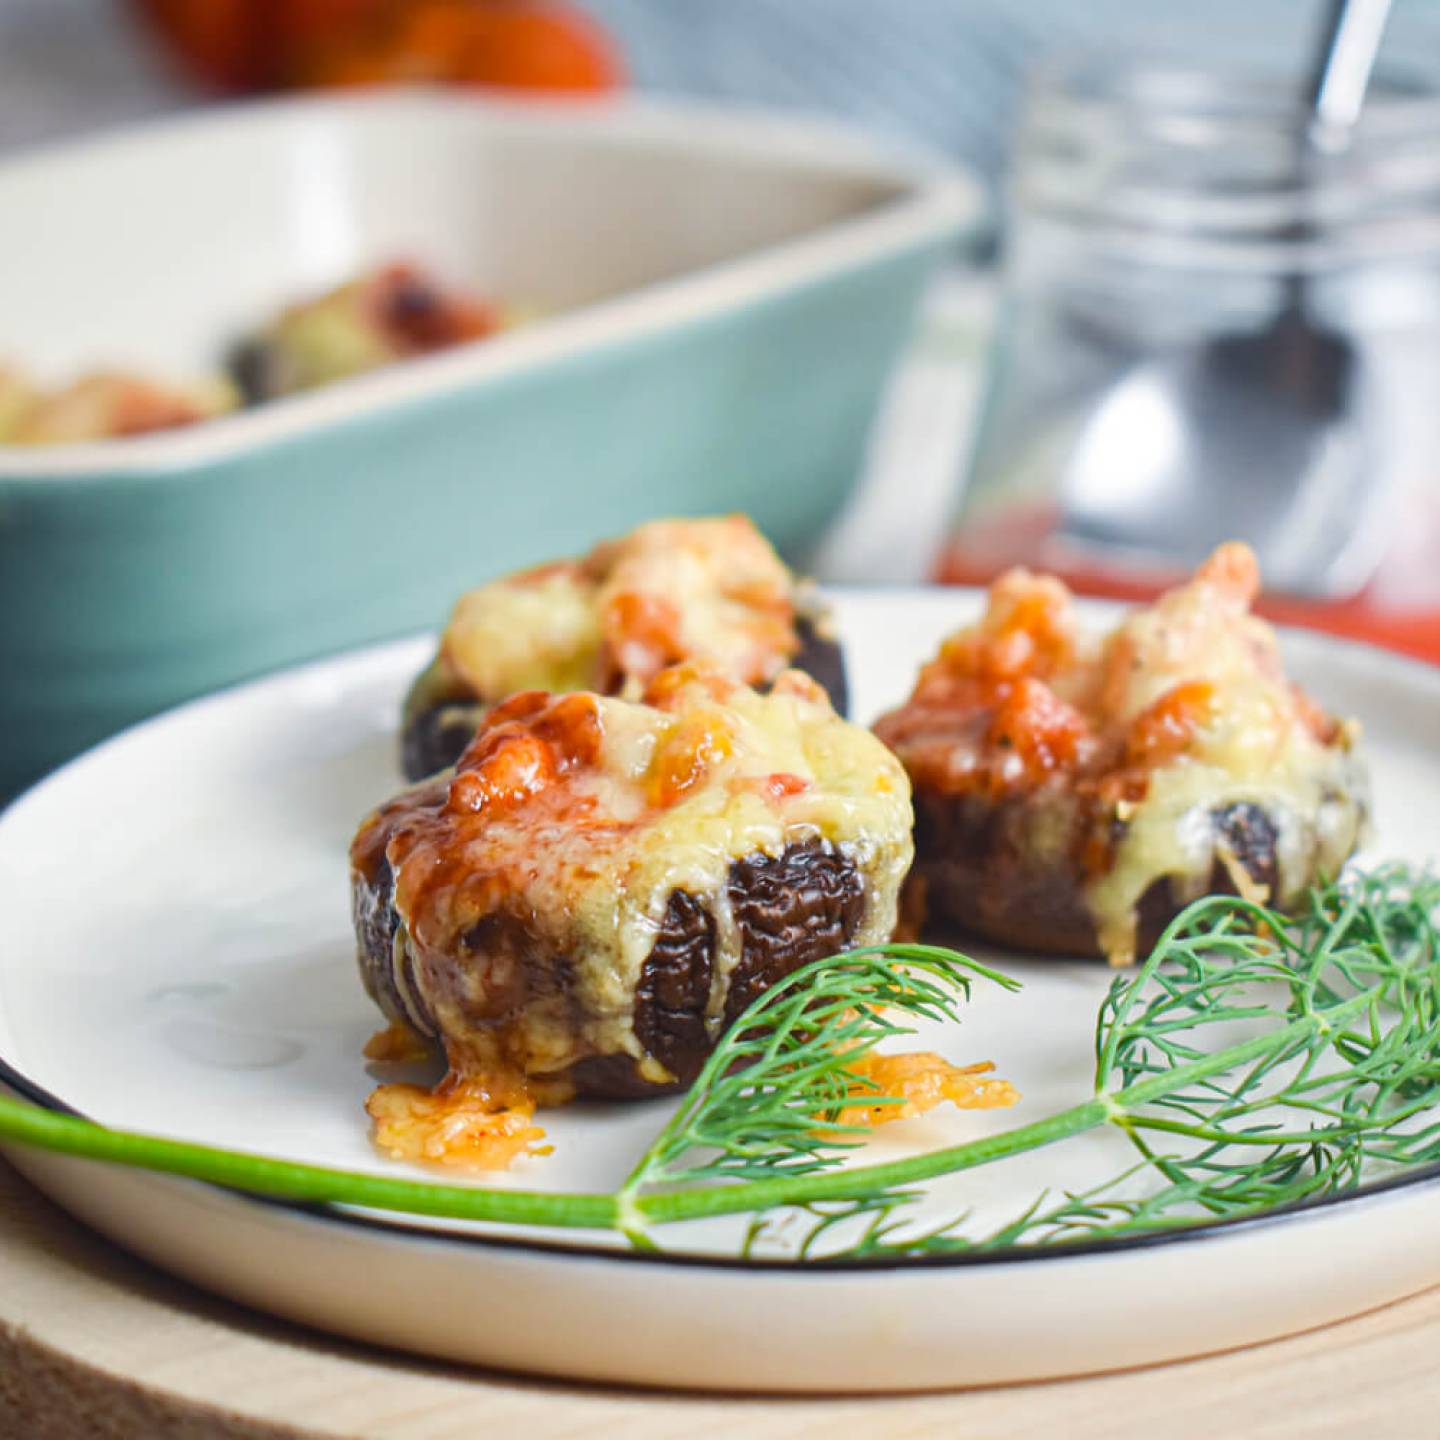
246, 45
1380, 614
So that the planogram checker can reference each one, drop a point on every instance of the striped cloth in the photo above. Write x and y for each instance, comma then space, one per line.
948, 72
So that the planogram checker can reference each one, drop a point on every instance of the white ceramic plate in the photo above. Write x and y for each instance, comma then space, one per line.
178, 960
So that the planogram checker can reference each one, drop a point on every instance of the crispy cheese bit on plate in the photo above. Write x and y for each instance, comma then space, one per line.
462, 1124
921, 1080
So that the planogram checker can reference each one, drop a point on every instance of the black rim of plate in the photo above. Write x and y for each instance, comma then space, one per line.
410, 1229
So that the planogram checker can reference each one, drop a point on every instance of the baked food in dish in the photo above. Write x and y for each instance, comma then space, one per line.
104, 405
388, 314
610, 621
601, 885
1072, 796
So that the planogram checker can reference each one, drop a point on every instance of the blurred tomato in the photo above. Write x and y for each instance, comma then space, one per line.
259, 44
541, 48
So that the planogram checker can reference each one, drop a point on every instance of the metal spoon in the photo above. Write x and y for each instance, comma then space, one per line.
1249, 435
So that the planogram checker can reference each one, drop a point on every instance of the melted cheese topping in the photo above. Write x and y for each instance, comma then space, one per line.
672, 590
1259, 740
1182, 711
711, 588
538, 631
557, 843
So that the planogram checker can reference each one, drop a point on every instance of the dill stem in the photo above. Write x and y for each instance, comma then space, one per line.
291, 1180
846, 1184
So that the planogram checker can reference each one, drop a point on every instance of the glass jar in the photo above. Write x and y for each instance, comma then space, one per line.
1155, 211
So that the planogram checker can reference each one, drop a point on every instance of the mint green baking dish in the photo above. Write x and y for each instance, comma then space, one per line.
725, 298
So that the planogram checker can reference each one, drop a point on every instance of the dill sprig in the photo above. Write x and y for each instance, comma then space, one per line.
768, 1100
1255, 1061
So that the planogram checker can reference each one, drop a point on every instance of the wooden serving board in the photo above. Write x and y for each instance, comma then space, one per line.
97, 1346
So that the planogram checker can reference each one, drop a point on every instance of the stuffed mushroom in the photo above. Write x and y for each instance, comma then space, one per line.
1072, 796
602, 885
610, 621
